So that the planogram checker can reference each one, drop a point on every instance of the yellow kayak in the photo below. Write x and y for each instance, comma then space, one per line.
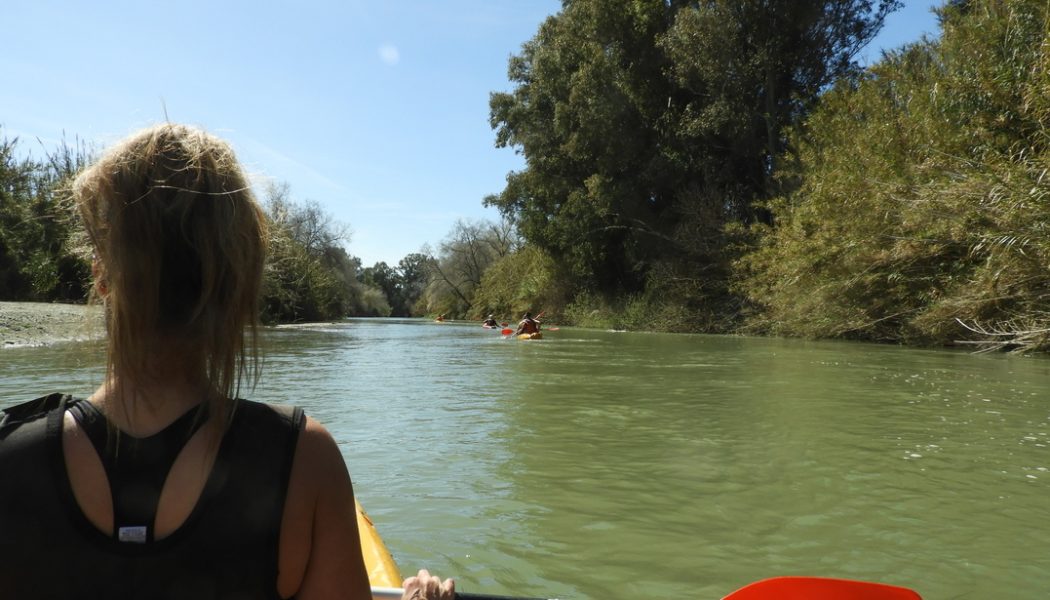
530, 336
382, 571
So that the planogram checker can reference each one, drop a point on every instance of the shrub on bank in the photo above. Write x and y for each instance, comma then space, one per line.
924, 201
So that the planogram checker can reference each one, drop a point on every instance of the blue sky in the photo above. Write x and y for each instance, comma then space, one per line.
376, 110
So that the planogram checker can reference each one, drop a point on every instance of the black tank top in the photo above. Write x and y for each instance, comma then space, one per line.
136, 468
227, 548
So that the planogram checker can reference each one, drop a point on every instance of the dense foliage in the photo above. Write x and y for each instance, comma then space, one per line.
403, 285
648, 125
524, 280
39, 259
454, 276
310, 276
924, 203
724, 165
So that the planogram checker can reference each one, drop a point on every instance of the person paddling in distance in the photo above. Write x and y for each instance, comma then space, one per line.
490, 322
528, 325
162, 483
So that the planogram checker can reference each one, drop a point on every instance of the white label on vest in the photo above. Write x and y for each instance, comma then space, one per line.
135, 535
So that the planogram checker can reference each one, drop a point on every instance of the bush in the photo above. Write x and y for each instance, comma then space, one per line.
923, 201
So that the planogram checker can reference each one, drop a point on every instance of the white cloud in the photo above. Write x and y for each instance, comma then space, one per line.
389, 54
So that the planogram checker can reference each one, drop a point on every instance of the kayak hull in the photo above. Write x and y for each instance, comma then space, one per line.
382, 570
530, 336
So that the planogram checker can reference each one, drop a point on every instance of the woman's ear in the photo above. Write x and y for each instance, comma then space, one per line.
96, 274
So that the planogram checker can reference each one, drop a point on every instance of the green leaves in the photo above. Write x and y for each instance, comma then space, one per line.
624, 110
587, 88
41, 256
467, 253
923, 197
308, 275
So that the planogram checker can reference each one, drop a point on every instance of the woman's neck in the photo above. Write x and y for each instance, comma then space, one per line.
143, 408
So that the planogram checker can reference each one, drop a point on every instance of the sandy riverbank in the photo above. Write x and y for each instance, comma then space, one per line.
43, 324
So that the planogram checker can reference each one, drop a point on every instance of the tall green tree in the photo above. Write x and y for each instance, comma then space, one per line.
647, 125
585, 113
382, 277
412, 271
750, 69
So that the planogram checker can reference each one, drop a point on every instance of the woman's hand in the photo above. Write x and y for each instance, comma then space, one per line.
425, 586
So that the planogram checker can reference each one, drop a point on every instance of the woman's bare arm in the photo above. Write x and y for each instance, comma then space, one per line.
320, 551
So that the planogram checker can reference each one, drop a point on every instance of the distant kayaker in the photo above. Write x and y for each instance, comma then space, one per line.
163, 483
491, 322
440, 317
528, 325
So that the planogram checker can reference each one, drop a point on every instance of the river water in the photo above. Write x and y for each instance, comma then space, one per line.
596, 464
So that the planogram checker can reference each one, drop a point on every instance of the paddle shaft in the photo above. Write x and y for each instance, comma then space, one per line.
382, 593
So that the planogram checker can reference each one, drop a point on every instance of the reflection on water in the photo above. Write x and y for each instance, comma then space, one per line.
595, 464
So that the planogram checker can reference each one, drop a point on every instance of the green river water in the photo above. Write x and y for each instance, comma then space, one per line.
598, 464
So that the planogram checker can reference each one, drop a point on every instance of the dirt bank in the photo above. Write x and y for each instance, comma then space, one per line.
42, 324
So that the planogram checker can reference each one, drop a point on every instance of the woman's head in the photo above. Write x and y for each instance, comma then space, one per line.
180, 243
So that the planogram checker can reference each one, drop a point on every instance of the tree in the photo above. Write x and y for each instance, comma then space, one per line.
751, 69
516, 283
306, 222
630, 112
14, 198
922, 200
589, 94
412, 273
385, 279
465, 254
309, 276
41, 256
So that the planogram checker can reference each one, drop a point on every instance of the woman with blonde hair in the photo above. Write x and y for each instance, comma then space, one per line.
163, 483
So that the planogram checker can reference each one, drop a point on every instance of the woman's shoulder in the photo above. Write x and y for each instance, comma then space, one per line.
318, 444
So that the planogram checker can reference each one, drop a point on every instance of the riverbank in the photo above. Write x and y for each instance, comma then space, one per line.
46, 323
43, 323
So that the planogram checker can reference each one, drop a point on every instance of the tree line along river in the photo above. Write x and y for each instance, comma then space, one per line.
622, 465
